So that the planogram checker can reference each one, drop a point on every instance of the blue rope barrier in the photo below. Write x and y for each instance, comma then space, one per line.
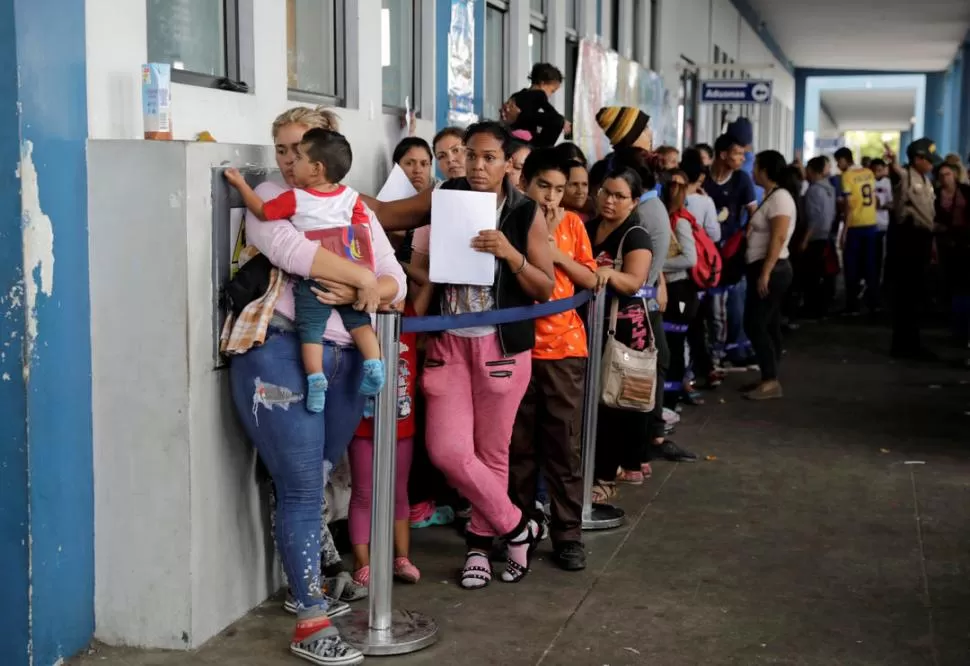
493, 317
675, 328
673, 386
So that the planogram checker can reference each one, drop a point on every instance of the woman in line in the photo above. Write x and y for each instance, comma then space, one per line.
769, 272
267, 386
953, 244
616, 234
449, 152
474, 378
681, 291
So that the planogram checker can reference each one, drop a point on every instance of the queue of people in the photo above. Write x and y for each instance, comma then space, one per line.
698, 252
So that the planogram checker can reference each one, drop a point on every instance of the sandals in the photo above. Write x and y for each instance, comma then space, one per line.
530, 537
477, 572
603, 492
630, 477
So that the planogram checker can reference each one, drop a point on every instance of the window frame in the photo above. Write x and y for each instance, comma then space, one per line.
539, 21
238, 45
417, 7
502, 6
339, 98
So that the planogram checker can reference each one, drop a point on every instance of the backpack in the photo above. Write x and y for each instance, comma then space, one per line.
706, 272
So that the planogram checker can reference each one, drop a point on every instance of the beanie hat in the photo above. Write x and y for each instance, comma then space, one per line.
742, 130
623, 124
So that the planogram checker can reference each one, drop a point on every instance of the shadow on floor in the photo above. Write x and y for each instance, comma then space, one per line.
831, 529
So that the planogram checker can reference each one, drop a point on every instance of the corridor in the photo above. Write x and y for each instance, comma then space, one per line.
830, 528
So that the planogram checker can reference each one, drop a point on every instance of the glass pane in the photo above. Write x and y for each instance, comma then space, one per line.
536, 43
538, 6
494, 62
397, 51
188, 34
568, 7
311, 46
569, 80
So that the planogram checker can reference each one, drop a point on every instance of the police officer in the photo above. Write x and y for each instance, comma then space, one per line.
912, 245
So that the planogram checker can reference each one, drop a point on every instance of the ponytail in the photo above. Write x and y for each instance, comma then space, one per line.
776, 169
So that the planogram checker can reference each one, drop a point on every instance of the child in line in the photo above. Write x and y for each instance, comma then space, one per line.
362, 460
530, 109
319, 203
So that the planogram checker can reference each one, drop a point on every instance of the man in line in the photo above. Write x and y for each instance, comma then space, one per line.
819, 210
858, 203
733, 193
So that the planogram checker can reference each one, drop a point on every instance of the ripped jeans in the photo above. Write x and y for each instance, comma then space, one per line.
268, 387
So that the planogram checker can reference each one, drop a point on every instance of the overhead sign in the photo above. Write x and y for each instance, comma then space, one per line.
720, 91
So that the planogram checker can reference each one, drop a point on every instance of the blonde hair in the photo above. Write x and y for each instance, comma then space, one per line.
313, 118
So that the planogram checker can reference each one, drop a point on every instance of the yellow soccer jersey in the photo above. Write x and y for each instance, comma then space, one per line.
859, 188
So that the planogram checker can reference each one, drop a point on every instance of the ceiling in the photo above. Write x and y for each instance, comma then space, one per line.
887, 35
870, 109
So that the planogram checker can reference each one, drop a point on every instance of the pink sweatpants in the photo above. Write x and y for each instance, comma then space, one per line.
362, 480
473, 393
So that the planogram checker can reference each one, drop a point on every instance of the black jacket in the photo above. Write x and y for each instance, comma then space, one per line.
517, 217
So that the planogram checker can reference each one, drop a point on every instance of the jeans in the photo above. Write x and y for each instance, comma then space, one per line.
763, 315
912, 248
682, 307
268, 387
860, 264
730, 340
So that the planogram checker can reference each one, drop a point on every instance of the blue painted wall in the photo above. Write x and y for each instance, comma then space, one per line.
935, 106
14, 561
47, 427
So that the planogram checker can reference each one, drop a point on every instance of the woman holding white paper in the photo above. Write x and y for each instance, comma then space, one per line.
474, 378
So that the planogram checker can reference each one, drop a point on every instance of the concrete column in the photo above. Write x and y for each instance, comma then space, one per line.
556, 43
363, 53
606, 23
625, 29
46, 478
587, 18
519, 56
643, 34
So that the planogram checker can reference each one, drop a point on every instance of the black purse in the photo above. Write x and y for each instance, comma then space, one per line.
248, 284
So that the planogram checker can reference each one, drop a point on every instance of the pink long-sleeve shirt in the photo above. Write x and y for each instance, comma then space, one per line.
290, 251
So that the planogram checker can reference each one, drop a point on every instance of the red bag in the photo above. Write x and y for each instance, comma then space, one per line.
706, 273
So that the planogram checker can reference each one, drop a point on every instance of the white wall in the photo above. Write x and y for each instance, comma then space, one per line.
117, 46
691, 28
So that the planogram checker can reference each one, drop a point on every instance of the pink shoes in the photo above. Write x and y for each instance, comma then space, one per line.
404, 571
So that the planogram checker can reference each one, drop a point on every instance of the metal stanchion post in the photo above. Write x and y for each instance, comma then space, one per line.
381, 630
595, 516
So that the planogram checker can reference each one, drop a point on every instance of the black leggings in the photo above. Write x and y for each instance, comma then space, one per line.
681, 311
762, 316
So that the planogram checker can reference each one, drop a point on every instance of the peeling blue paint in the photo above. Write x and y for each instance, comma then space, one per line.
46, 475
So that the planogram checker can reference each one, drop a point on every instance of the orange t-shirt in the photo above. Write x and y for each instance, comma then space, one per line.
563, 335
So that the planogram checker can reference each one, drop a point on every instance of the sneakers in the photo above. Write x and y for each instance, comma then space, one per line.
570, 556
317, 640
405, 571
335, 607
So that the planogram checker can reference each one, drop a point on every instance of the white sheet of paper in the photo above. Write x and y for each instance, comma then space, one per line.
456, 218
396, 187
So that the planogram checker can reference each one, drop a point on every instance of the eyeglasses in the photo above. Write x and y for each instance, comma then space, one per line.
615, 196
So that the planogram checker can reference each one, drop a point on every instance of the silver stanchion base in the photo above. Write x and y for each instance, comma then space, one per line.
604, 517
409, 632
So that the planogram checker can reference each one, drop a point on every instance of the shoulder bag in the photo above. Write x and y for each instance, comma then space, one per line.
629, 377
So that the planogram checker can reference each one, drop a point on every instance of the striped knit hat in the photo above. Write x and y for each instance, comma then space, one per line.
623, 124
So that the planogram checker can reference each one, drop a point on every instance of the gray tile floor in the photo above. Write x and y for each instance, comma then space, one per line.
833, 528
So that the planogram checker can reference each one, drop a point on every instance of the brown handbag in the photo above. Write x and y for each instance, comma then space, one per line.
629, 377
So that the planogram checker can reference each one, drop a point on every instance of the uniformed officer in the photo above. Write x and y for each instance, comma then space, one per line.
912, 245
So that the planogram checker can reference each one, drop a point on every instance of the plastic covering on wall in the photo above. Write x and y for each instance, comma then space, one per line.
603, 78
461, 63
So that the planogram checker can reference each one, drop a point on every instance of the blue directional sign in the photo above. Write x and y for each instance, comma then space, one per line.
720, 91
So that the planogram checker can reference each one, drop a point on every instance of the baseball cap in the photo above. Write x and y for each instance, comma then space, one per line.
923, 148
